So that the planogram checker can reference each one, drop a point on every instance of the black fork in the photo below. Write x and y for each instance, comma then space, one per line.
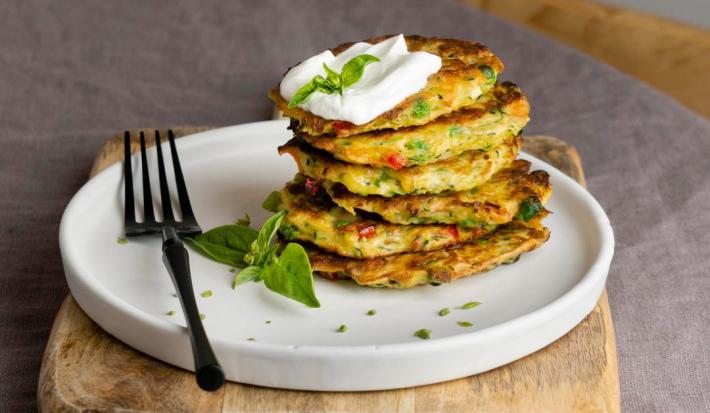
209, 373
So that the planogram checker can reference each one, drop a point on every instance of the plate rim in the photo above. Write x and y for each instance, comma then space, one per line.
597, 269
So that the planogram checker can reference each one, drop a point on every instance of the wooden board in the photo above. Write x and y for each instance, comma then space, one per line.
85, 369
671, 56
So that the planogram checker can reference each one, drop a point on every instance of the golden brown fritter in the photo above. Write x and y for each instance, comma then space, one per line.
495, 202
314, 218
498, 115
442, 266
461, 173
468, 70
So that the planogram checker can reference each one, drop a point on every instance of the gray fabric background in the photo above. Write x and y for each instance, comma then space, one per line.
74, 73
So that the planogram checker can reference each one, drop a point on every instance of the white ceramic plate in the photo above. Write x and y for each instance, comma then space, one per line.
230, 171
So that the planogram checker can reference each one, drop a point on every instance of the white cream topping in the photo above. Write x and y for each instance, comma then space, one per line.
383, 85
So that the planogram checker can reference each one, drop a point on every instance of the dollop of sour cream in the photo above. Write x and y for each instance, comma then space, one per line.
384, 84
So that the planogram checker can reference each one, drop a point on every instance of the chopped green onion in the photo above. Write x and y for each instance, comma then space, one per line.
470, 305
424, 334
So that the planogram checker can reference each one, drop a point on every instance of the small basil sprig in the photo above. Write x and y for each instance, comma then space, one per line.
288, 274
334, 81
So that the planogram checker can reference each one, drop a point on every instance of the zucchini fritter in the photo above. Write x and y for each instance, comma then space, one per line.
442, 266
499, 114
312, 217
462, 173
468, 69
495, 202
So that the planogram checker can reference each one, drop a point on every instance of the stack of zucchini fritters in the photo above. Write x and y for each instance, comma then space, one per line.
427, 192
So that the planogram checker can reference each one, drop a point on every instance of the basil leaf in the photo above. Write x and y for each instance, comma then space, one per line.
272, 202
334, 78
290, 275
303, 94
247, 274
246, 221
226, 244
529, 208
354, 68
323, 84
351, 73
266, 233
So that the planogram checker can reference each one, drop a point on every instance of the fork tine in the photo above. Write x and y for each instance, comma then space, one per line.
147, 193
129, 205
185, 206
168, 217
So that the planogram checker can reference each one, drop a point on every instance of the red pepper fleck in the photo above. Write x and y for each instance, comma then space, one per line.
397, 160
341, 124
454, 231
312, 186
367, 232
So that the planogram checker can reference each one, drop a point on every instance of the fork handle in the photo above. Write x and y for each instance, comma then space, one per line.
209, 373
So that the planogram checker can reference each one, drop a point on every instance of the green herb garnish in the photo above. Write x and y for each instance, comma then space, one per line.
343, 328
383, 177
417, 144
529, 208
206, 293
454, 130
371, 312
251, 339
267, 322
444, 312
424, 334
121, 240
288, 274
341, 224
489, 72
420, 109
202, 316
485, 148
246, 221
272, 202
333, 82
170, 313
468, 223
226, 244
464, 324
470, 305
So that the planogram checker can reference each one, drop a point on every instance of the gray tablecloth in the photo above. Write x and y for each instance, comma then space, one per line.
74, 73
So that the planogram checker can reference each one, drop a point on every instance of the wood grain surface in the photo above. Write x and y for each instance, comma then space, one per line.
86, 369
671, 56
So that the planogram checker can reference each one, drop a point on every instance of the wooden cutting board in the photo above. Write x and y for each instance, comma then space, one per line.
86, 369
